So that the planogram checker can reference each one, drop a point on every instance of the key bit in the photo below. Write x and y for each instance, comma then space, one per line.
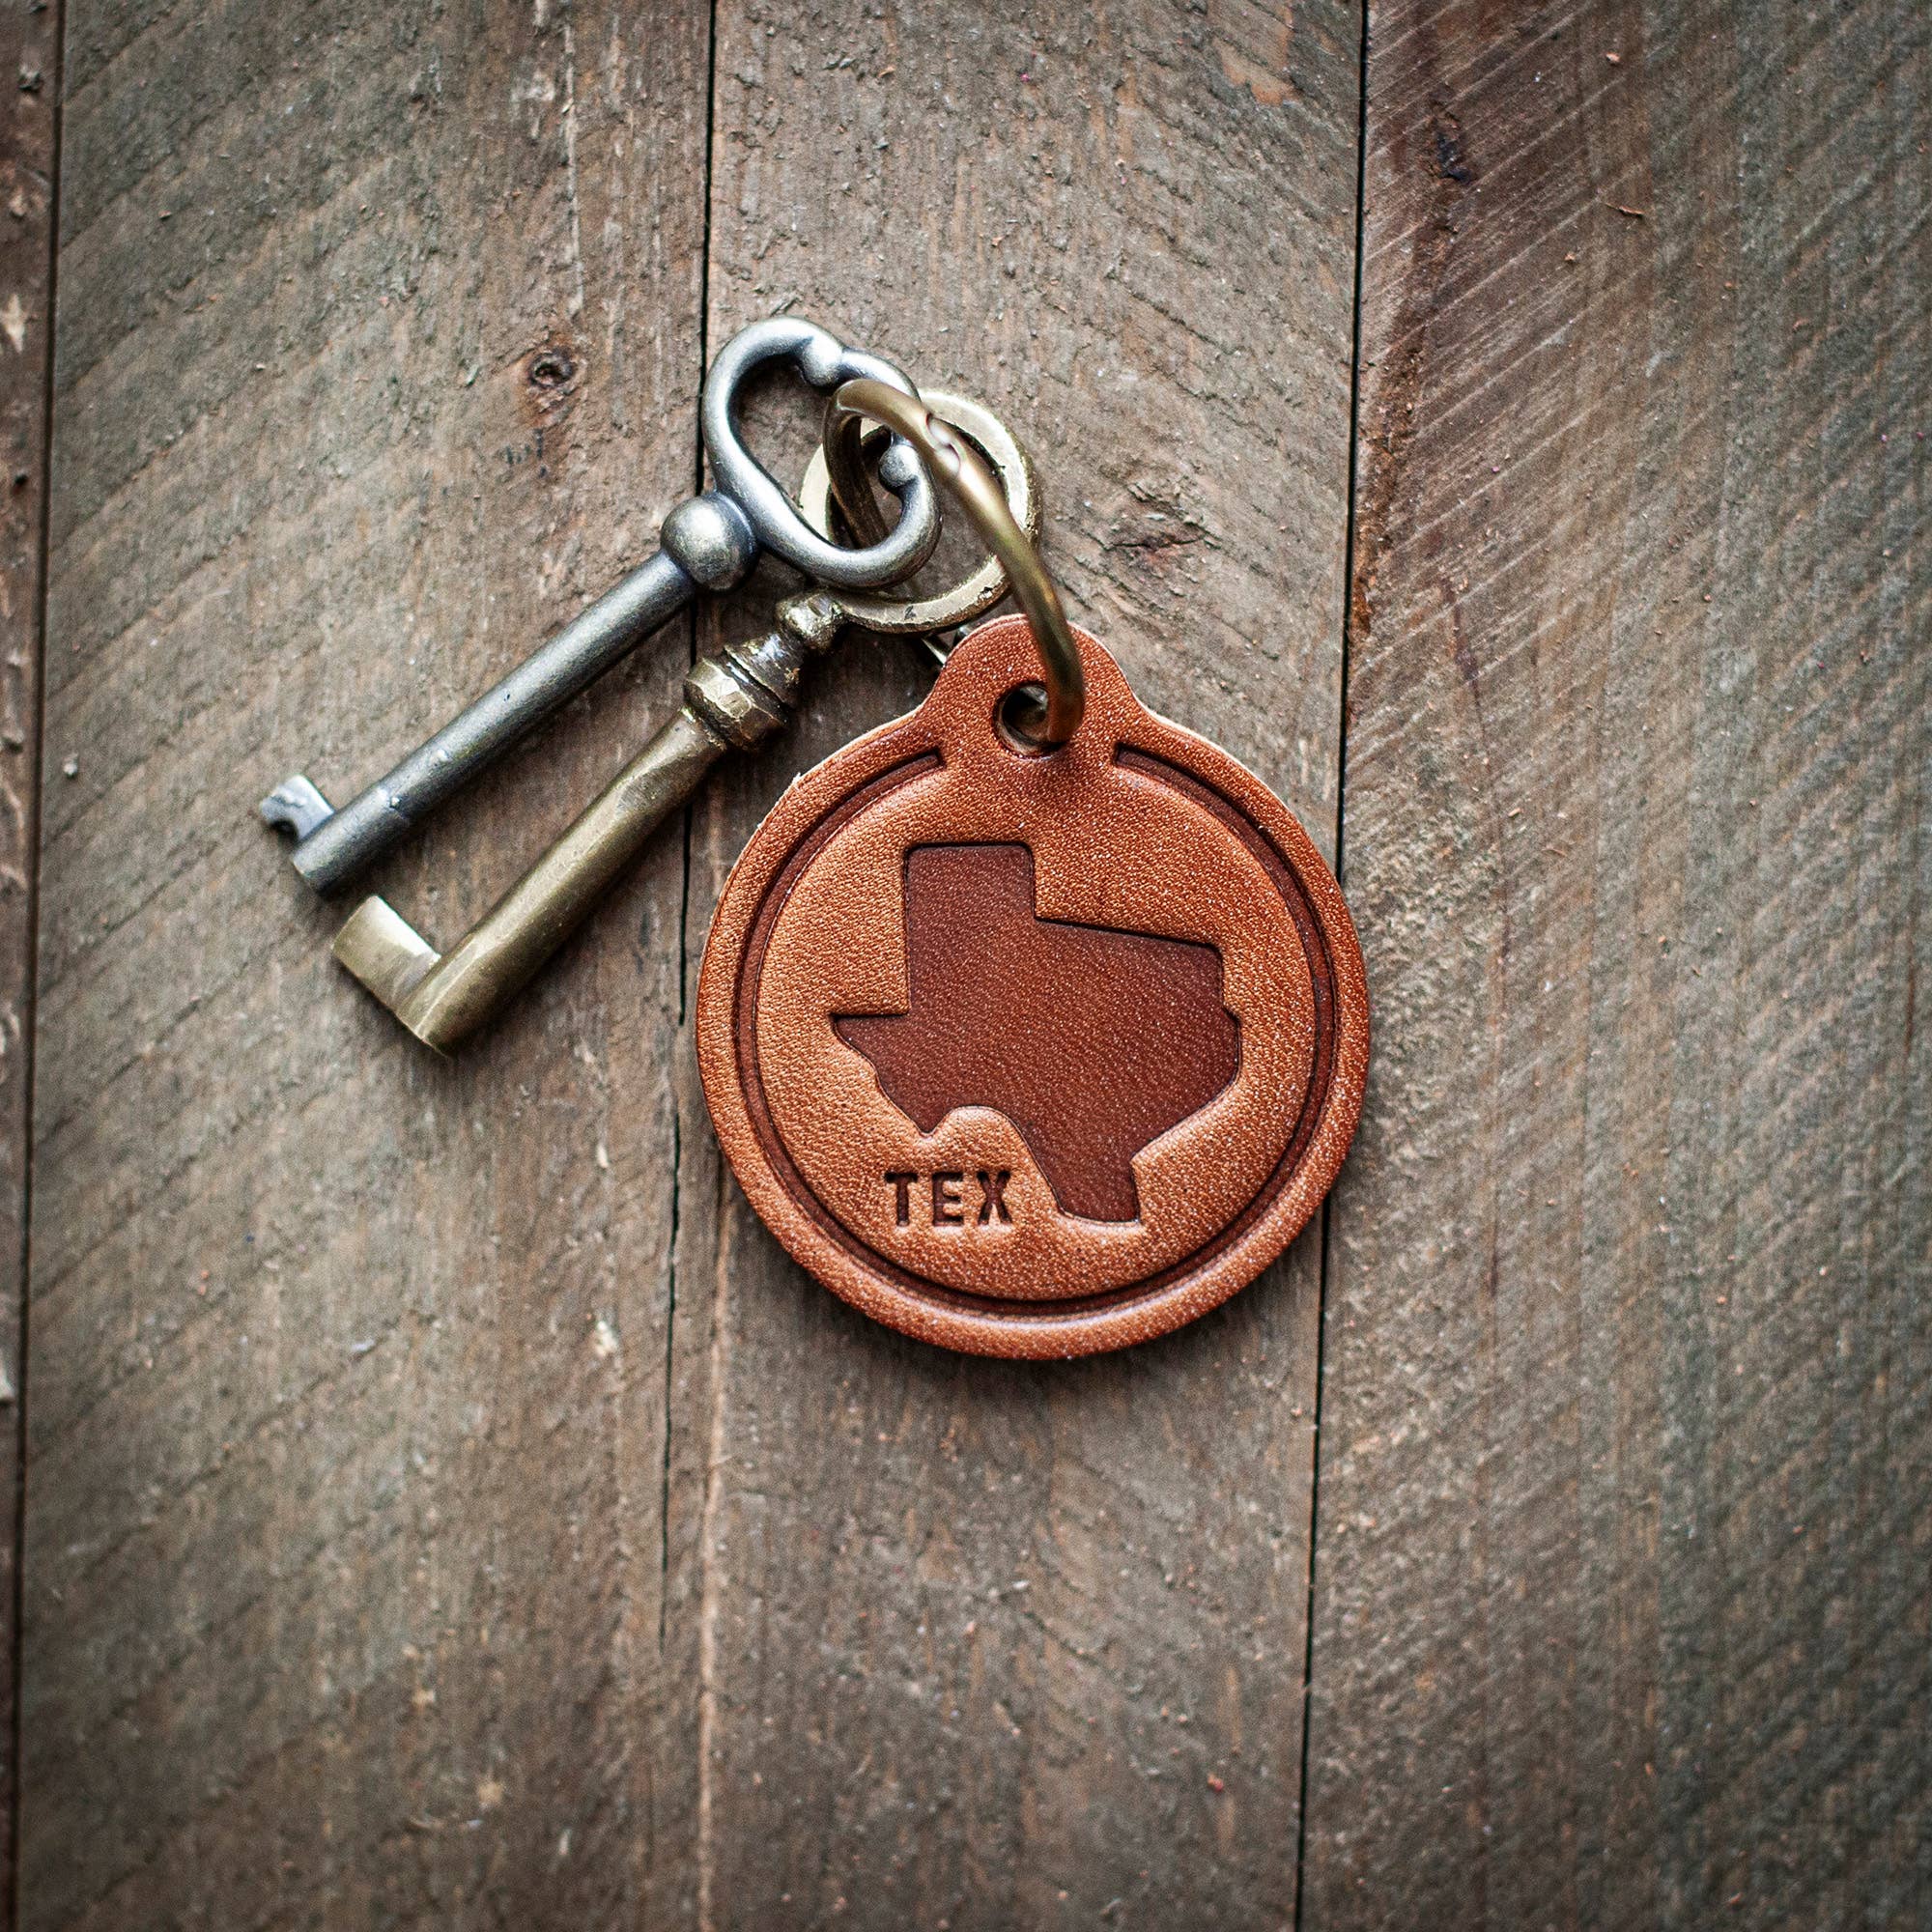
296, 804
731, 702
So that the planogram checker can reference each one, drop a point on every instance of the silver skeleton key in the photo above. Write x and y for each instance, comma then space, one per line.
709, 541
731, 701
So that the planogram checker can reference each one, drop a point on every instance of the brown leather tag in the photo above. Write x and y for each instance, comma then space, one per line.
1032, 1054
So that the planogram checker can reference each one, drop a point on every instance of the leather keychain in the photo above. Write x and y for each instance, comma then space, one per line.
1032, 1024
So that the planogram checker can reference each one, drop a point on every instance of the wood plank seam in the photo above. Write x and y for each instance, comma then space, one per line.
343, 1593
31, 48
683, 1095
1347, 627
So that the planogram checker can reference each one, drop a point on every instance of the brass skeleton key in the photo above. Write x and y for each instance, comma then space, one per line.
732, 700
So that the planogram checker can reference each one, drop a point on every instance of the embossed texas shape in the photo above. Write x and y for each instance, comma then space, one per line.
1092, 1042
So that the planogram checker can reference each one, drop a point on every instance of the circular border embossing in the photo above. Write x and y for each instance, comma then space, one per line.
823, 804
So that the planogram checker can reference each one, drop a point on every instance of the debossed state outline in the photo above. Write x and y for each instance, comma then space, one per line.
1093, 1041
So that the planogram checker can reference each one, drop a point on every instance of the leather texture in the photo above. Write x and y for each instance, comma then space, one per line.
1032, 1055
1091, 1042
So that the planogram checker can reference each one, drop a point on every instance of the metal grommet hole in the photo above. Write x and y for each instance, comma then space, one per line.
1021, 721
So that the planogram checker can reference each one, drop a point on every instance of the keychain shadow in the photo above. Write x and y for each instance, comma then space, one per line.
976, 1470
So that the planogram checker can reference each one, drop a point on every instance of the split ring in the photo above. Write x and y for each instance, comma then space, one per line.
954, 463
972, 596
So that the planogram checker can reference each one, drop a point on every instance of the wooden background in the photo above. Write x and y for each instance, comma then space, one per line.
440, 1502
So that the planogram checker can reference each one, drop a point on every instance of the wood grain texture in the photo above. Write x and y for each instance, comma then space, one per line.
447, 1505
378, 355
1623, 1566
30, 69
984, 1645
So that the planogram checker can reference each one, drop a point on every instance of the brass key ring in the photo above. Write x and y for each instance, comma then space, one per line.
957, 466
836, 476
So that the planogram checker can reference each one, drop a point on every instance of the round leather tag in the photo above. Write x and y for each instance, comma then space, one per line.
1032, 1054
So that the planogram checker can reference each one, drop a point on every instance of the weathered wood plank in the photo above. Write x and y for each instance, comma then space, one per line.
987, 1645
378, 353
1623, 1568
30, 59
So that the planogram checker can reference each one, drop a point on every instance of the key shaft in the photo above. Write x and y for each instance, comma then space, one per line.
731, 702
709, 541
706, 542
